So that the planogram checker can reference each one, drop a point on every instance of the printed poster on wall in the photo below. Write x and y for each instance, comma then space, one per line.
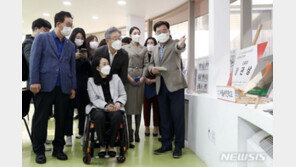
202, 72
245, 64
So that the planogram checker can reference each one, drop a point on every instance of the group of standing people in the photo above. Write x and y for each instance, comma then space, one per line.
105, 79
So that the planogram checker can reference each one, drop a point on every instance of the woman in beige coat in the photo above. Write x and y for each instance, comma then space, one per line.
135, 87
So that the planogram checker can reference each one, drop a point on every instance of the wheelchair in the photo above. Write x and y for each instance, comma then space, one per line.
90, 142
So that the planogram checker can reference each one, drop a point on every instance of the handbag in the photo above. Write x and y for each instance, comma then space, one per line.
150, 91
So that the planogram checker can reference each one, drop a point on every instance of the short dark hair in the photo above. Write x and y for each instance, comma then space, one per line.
154, 40
126, 40
133, 28
88, 39
96, 74
73, 36
102, 42
60, 17
41, 23
160, 23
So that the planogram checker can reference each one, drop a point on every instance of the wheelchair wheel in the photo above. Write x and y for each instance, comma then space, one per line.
125, 134
87, 159
121, 158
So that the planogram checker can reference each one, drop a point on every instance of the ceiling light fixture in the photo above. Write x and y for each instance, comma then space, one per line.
95, 17
67, 3
121, 2
46, 14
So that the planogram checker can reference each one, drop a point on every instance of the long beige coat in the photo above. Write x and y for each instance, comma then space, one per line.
137, 68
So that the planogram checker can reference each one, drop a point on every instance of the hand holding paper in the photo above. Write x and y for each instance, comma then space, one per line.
161, 68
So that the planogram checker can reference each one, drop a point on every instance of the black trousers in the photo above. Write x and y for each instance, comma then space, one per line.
100, 117
43, 107
26, 100
171, 111
69, 119
82, 100
81, 117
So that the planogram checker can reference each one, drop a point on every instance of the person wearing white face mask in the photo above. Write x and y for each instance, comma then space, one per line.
83, 71
117, 56
170, 85
136, 77
150, 96
92, 43
108, 97
53, 81
38, 26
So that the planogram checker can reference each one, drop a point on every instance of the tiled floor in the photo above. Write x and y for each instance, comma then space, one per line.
142, 155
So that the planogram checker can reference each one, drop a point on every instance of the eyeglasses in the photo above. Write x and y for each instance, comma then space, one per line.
69, 25
163, 31
116, 39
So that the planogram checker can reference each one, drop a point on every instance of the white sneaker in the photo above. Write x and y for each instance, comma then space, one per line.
78, 136
47, 147
69, 141
48, 141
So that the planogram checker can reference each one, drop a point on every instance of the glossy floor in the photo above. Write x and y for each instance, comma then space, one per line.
142, 155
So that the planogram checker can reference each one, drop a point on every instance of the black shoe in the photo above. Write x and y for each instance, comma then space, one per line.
155, 134
147, 134
177, 153
162, 150
159, 139
59, 155
112, 153
76, 117
131, 145
102, 154
40, 159
137, 137
131, 136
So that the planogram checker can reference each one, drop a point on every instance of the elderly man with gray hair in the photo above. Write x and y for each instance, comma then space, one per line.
117, 57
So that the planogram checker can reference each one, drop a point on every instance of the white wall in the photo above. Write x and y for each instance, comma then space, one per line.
222, 119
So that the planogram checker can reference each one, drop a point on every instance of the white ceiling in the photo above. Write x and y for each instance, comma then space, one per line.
108, 11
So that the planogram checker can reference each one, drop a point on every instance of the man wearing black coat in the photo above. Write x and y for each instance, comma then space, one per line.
38, 26
117, 57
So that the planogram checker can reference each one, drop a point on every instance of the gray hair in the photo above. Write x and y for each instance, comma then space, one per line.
111, 30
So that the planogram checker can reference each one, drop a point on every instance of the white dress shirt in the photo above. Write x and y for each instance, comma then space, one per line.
111, 55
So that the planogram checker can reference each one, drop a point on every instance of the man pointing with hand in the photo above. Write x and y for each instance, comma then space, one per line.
170, 85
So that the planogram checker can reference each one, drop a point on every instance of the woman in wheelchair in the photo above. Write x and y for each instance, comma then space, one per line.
108, 97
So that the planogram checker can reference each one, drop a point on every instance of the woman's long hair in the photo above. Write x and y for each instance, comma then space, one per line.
73, 36
88, 39
96, 74
154, 40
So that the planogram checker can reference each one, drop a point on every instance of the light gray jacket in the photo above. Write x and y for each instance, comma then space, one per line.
171, 60
96, 94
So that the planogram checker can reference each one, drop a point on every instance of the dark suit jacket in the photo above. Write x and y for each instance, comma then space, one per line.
45, 64
26, 52
120, 61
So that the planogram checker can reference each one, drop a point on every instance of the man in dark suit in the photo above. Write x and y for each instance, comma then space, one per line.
53, 81
117, 57
38, 26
